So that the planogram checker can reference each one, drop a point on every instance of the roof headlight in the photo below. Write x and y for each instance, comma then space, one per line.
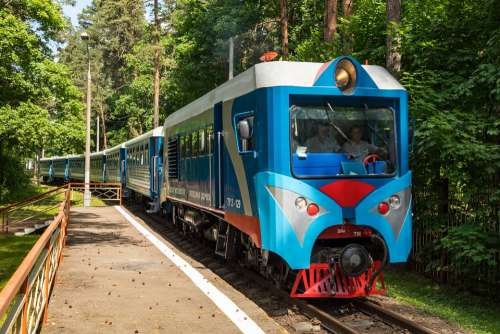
345, 76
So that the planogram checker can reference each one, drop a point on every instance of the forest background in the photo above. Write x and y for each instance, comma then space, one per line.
446, 53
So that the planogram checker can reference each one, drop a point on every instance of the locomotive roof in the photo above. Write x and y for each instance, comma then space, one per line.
271, 74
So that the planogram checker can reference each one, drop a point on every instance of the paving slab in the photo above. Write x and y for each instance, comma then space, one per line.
114, 280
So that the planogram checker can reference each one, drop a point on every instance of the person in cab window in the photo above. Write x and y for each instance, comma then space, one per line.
323, 141
358, 149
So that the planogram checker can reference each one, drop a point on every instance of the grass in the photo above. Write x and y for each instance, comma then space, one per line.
12, 252
27, 191
478, 314
12, 248
77, 200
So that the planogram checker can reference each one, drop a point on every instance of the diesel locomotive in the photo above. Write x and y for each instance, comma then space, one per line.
298, 170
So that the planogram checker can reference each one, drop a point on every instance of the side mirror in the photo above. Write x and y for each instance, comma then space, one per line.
245, 129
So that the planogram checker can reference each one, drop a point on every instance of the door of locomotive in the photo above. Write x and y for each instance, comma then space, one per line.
217, 176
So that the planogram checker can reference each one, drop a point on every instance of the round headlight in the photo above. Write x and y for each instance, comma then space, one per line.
300, 203
345, 76
395, 201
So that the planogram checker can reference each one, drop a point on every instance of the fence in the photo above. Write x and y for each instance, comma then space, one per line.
102, 193
24, 300
33, 209
432, 224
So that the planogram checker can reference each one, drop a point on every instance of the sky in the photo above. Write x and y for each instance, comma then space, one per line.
73, 11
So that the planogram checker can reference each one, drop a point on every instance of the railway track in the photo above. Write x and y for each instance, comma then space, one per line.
325, 316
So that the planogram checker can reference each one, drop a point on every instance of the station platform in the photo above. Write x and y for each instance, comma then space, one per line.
115, 277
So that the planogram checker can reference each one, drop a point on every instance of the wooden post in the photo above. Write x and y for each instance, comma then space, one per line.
157, 64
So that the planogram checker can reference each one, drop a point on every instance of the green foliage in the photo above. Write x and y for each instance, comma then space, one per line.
469, 246
39, 105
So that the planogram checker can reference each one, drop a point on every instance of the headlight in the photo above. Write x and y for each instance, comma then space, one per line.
395, 201
345, 76
300, 203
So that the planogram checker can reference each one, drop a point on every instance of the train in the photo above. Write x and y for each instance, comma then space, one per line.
298, 170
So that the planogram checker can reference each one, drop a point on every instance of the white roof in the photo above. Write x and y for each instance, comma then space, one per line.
157, 132
270, 74
113, 149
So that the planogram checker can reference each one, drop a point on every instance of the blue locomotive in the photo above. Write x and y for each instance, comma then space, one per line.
299, 170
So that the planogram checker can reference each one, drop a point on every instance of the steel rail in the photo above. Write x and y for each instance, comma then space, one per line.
24, 299
328, 321
393, 317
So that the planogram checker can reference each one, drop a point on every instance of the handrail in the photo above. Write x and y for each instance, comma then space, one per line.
94, 184
31, 199
34, 278
11, 209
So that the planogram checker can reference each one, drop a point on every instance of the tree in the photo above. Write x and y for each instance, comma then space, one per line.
347, 13
284, 28
40, 108
393, 54
330, 20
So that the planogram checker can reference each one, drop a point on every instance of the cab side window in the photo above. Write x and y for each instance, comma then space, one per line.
245, 132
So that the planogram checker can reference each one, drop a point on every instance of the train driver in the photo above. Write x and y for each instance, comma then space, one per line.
358, 149
323, 141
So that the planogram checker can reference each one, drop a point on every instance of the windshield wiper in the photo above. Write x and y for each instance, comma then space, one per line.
333, 124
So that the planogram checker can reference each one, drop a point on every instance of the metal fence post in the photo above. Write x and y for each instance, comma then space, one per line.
24, 317
48, 262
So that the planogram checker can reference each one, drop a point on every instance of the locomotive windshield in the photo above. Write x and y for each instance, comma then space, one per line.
330, 140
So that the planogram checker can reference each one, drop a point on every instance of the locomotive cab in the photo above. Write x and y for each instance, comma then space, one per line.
343, 197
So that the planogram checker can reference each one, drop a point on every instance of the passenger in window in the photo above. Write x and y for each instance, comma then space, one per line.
323, 141
358, 149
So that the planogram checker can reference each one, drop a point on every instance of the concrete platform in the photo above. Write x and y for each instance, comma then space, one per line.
114, 280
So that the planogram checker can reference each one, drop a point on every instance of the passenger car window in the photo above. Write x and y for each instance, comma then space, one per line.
195, 143
202, 141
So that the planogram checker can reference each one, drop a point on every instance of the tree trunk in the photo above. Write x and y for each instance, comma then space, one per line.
347, 13
393, 43
104, 137
284, 28
156, 85
330, 20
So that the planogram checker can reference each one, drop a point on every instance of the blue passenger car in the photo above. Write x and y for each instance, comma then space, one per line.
97, 167
307, 163
115, 164
45, 166
143, 165
60, 171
